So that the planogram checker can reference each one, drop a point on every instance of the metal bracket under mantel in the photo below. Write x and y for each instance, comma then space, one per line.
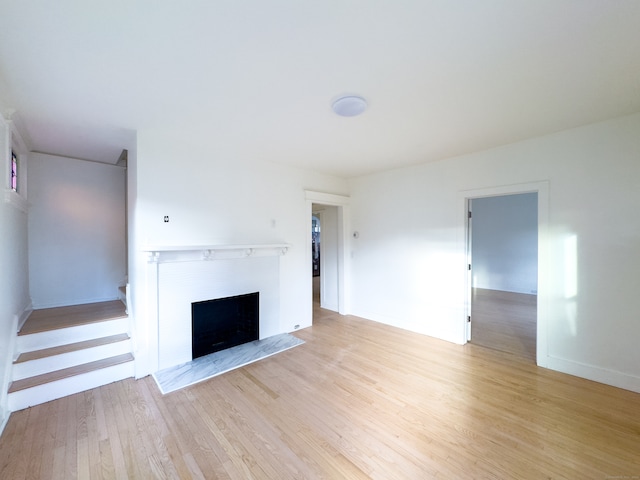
182, 253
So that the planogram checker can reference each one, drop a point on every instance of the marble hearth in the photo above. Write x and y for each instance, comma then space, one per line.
204, 368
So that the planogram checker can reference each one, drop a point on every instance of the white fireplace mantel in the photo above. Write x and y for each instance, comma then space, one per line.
178, 275
183, 253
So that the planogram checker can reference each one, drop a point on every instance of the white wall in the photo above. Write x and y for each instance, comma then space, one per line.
14, 287
505, 243
219, 200
76, 231
408, 265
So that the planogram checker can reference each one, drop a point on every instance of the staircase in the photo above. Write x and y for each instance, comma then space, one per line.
66, 350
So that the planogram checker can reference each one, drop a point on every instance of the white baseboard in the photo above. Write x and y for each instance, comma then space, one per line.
77, 301
24, 315
596, 374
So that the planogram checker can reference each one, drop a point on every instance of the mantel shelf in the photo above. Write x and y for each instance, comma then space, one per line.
176, 253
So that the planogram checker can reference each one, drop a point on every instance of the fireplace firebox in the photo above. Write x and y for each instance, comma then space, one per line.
223, 323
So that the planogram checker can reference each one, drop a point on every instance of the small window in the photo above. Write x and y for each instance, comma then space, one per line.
14, 171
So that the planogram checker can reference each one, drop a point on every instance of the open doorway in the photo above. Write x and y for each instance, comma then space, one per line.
333, 213
325, 244
315, 258
503, 246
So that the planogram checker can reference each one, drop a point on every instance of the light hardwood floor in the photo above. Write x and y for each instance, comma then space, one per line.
357, 400
504, 321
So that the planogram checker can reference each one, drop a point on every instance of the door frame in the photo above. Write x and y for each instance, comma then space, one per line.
542, 316
343, 204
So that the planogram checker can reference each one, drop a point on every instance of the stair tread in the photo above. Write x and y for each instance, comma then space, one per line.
69, 372
48, 319
71, 347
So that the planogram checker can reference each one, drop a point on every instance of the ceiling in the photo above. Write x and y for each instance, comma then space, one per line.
256, 78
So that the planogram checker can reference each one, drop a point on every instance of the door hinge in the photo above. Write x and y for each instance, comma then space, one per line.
469, 266
469, 212
468, 318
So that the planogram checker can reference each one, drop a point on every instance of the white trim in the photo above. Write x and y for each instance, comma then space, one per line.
182, 253
544, 296
188, 248
8, 367
28, 310
327, 198
597, 374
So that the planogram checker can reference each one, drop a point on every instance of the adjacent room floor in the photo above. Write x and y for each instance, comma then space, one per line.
504, 321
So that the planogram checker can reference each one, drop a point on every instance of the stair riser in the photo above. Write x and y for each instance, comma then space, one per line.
69, 359
65, 336
68, 386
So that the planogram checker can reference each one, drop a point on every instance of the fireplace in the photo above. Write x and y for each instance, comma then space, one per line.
223, 323
178, 277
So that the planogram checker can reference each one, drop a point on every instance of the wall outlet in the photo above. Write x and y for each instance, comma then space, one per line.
295, 327
166, 219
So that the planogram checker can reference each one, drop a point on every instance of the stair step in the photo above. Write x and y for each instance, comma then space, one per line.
39, 394
67, 350
25, 383
65, 336
44, 360
48, 319
72, 347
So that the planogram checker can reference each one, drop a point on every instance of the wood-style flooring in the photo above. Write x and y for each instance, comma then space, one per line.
358, 400
504, 321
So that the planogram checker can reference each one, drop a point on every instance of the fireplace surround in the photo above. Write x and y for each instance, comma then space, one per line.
179, 276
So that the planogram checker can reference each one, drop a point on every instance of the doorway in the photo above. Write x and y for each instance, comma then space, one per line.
333, 213
315, 258
503, 275
325, 247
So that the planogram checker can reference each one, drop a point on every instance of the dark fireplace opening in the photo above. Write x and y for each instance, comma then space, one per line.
223, 323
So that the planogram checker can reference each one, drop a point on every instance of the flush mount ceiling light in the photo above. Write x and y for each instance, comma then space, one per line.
349, 106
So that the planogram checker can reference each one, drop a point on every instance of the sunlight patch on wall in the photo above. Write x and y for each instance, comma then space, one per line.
571, 266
